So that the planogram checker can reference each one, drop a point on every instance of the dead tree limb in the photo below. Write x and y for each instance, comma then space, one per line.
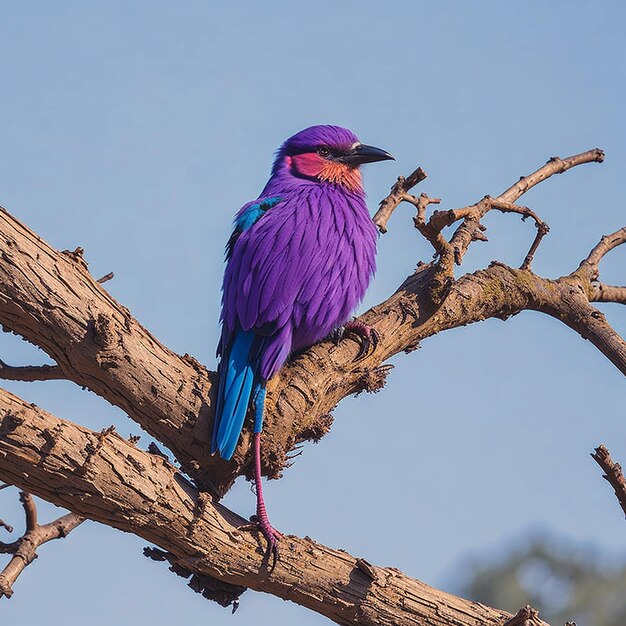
24, 549
108, 479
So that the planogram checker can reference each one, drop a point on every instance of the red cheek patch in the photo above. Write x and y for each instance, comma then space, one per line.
308, 164
312, 165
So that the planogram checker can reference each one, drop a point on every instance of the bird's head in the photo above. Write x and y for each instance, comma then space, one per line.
326, 154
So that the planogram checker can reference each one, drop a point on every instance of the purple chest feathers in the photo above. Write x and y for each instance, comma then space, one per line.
300, 270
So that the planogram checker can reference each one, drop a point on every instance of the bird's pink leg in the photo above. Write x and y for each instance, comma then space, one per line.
262, 520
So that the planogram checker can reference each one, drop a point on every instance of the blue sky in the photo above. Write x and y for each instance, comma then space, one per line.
136, 129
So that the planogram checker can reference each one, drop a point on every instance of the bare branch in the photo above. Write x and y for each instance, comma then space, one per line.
49, 298
555, 165
434, 236
24, 550
30, 510
608, 293
30, 373
612, 473
132, 490
606, 244
525, 212
106, 277
6, 526
397, 194
463, 236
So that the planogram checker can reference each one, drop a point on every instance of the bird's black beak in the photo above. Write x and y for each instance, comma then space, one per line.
362, 153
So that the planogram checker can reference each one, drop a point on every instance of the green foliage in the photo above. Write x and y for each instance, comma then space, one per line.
564, 583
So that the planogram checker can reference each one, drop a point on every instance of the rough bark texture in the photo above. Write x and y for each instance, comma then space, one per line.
49, 298
102, 476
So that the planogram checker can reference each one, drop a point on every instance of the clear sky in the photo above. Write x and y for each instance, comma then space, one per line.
136, 129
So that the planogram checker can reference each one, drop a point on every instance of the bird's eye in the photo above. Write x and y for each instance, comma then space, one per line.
324, 151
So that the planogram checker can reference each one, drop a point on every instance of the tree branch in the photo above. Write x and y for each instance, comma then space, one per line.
612, 473
24, 550
590, 265
397, 194
608, 293
104, 477
30, 373
555, 165
462, 238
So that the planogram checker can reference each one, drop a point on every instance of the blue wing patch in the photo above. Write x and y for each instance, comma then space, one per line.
248, 218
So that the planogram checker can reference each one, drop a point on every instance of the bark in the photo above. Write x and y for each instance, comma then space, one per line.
49, 298
102, 476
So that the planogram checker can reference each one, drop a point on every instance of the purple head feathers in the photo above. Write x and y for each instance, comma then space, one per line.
323, 154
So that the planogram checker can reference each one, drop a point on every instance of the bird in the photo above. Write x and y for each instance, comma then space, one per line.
298, 263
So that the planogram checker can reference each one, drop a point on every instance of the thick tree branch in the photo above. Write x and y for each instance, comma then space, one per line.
24, 550
105, 478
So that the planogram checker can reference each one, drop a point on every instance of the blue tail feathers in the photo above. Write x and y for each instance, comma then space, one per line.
237, 385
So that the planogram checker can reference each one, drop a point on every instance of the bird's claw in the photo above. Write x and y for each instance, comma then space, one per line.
272, 536
368, 337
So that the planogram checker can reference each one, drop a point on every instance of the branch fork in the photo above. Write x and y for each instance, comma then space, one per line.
24, 549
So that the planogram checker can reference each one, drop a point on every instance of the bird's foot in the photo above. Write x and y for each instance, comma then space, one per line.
367, 337
261, 523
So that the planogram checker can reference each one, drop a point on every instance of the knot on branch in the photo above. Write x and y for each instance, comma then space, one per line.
77, 255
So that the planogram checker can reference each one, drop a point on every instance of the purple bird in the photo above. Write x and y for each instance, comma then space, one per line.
298, 263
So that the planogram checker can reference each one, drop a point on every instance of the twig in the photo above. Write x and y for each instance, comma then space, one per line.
30, 509
397, 194
106, 277
525, 212
555, 165
24, 550
6, 526
612, 473
464, 235
30, 373
472, 229
606, 244
434, 236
